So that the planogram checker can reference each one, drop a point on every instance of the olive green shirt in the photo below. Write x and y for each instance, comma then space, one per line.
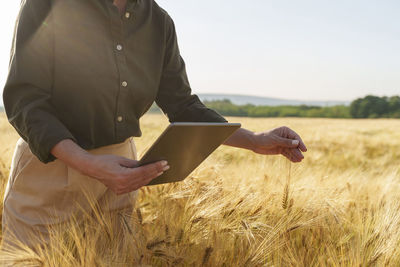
80, 70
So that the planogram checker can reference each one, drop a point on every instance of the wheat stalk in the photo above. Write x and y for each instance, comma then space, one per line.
207, 254
139, 215
285, 197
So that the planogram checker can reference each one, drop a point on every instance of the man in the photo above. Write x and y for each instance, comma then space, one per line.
82, 73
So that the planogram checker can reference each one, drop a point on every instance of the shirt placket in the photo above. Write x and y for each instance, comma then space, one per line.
122, 115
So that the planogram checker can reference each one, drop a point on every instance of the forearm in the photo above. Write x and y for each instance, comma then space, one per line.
72, 154
242, 138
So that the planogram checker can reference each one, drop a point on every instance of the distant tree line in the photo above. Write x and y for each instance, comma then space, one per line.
367, 107
227, 108
376, 107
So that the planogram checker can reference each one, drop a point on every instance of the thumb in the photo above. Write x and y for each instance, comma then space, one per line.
285, 142
128, 163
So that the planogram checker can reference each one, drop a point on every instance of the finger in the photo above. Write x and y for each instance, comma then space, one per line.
151, 170
128, 163
297, 153
141, 176
286, 142
294, 155
137, 184
292, 134
288, 156
149, 179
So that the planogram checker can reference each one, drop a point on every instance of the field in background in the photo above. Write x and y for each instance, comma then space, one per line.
340, 207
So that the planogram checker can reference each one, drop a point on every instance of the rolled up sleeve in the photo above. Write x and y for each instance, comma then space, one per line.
175, 96
28, 90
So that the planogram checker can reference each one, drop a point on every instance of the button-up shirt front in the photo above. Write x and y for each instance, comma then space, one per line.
80, 70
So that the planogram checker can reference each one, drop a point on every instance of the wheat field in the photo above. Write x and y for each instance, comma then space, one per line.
339, 207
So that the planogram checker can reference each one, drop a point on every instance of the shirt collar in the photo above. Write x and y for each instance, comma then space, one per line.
130, 4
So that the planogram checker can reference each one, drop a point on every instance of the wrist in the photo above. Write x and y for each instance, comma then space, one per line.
243, 138
85, 162
254, 140
73, 155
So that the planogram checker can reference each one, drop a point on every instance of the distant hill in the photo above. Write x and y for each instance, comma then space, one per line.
267, 101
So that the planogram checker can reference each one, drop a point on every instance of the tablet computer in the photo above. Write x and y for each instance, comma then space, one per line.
185, 145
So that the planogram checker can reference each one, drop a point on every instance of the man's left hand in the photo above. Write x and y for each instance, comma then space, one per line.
282, 140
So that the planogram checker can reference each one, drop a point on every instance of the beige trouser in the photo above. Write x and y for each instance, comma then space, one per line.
40, 195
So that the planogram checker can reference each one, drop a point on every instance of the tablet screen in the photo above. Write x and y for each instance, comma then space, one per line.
185, 146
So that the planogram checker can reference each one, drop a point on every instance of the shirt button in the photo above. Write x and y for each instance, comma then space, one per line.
119, 118
124, 84
119, 47
127, 15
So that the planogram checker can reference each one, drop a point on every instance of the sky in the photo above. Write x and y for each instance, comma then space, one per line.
290, 49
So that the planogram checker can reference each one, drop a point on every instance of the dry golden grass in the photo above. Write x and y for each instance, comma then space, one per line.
340, 207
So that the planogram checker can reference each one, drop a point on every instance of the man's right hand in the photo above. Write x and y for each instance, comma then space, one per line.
121, 175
